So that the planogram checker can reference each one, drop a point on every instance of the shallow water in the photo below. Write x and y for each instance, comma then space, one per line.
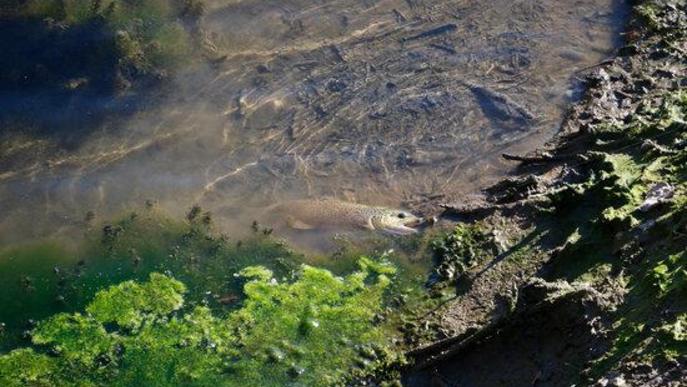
361, 100
45, 278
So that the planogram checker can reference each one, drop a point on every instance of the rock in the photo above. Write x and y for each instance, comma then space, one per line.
612, 380
500, 241
658, 194
538, 290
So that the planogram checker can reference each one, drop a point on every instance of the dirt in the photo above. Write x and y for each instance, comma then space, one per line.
491, 333
547, 339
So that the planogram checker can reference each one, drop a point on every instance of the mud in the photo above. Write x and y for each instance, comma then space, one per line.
557, 230
547, 340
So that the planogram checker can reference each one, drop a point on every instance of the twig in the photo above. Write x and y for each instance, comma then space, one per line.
602, 63
532, 159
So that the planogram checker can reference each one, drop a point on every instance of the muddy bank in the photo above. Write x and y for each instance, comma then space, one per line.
545, 340
602, 208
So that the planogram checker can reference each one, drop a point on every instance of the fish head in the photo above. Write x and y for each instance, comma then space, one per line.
397, 222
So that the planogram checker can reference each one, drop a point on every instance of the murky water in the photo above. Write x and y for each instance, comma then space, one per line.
358, 99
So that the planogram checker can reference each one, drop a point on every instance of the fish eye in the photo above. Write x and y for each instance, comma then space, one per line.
401, 215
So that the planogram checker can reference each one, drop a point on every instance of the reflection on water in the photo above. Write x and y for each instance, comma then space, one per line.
389, 102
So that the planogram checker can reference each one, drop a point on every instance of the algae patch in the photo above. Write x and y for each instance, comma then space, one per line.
151, 300
310, 331
46, 278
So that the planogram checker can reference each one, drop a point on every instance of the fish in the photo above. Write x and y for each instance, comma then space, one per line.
320, 214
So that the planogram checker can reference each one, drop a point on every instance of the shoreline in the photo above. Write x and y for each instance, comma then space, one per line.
560, 250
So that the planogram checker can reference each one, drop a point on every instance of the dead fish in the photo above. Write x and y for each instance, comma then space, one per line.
333, 214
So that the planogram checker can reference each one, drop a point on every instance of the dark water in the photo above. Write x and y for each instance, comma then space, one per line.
360, 100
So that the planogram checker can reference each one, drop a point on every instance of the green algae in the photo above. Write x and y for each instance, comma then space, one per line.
310, 331
42, 279
29, 285
76, 337
129, 304
264, 315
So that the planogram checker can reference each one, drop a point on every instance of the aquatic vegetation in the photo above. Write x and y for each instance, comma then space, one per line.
148, 34
47, 278
128, 304
223, 320
458, 251
119, 40
104, 57
310, 331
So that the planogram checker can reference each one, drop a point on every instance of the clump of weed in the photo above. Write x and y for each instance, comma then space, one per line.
457, 252
312, 330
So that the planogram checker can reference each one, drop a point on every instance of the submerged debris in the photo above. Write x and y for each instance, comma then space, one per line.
498, 105
446, 28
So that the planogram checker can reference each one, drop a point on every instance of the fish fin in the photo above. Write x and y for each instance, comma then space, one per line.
369, 225
298, 225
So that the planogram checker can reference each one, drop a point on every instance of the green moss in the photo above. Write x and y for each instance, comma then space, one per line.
610, 234
311, 331
677, 330
670, 275
129, 304
459, 250
619, 176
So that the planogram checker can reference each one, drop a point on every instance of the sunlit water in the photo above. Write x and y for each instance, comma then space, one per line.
343, 98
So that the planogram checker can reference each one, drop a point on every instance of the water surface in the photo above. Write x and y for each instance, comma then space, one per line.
357, 99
